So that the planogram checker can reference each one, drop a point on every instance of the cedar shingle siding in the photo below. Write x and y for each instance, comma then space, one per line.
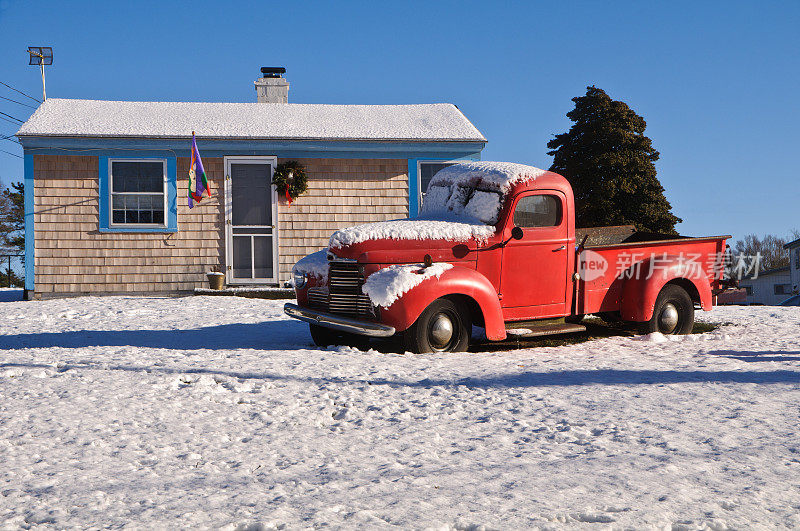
73, 257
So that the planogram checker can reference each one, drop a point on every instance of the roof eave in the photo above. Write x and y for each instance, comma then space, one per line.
255, 138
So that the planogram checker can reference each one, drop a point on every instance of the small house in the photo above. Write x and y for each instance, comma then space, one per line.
106, 185
770, 287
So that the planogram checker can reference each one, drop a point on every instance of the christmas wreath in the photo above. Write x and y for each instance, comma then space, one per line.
290, 180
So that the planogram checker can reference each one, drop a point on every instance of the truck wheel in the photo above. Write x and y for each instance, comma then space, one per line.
443, 326
324, 337
673, 313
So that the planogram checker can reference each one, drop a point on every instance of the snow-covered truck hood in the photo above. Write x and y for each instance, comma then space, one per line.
408, 240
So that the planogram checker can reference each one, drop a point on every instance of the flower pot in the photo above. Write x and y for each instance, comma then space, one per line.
216, 280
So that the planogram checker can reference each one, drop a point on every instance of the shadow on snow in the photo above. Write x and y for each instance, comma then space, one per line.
267, 335
527, 379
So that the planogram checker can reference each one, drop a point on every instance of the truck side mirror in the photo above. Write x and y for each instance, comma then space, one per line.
517, 233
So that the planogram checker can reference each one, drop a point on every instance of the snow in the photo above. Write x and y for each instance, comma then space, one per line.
462, 202
498, 176
450, 228
386, 285
69, 117
475, 190
218, 412
314, 264
484, 206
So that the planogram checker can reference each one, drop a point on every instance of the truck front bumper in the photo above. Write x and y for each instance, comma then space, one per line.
338, 322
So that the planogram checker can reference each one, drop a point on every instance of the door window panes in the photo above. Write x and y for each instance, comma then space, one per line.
538, 211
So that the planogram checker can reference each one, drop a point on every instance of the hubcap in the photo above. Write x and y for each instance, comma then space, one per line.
668, 320
441, 331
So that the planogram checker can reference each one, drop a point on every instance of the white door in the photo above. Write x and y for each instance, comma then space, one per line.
250, 221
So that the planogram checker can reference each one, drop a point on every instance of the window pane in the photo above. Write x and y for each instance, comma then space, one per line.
242, 265
137, 176
426, 172
538, 211
262, 257
251, 194
138, 208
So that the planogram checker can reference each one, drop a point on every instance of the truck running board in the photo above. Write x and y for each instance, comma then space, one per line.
534, 330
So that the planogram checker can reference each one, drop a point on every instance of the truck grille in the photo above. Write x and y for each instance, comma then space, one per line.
343, 295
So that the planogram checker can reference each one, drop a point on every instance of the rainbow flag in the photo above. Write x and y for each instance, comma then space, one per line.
197, 186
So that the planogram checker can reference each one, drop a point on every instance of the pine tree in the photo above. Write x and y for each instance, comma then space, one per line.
610, 164
12, 229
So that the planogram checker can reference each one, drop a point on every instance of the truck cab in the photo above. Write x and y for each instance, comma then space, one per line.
496, 246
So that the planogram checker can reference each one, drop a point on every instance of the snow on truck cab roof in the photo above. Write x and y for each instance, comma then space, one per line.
463, 201
475, 189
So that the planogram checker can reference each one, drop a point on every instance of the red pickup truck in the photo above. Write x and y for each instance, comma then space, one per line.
496, 247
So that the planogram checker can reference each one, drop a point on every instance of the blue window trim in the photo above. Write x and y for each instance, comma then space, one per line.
29, 234
413, 178
172, 196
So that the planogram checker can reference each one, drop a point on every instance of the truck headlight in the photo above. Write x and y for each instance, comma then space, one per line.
299, 280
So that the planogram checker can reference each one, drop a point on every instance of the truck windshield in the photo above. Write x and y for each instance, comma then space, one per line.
460, 200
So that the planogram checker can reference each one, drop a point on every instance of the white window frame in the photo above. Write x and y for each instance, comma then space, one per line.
229, 278
420, 191
111, 196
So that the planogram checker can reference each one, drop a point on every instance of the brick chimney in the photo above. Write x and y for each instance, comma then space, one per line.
272, 88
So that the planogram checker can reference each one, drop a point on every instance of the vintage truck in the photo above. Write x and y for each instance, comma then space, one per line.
496, 247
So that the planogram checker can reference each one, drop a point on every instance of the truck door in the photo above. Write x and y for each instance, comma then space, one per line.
533, 279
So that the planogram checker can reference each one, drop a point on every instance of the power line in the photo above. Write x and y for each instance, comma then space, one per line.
15, 90
9, 121
11, 140
12, 154
18, 102
12, 117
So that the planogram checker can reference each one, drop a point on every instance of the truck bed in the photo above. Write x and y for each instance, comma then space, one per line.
626, 235
618, 249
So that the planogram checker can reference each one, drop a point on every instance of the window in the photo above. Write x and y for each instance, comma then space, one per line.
538, 211
427, 169
783, 289
797, 258
138, 192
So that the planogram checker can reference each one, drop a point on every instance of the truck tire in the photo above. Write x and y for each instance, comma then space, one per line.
673, 313
324, 337
443, 326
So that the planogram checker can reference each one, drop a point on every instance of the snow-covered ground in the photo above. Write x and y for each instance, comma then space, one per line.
219, 412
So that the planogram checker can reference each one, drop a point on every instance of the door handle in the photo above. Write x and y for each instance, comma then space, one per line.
560, 248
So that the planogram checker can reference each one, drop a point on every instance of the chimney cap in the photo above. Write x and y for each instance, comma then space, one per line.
273, 71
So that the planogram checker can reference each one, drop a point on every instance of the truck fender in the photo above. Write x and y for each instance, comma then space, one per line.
645, 280
455, 281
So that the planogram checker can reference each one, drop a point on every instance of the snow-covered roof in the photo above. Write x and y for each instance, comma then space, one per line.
475, 189
499, 176
94, 118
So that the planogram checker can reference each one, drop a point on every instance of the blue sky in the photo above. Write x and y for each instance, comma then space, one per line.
717, 82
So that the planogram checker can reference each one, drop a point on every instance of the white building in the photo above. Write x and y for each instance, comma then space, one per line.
770, 287
794, 264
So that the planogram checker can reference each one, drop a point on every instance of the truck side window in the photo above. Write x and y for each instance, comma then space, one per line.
538, 211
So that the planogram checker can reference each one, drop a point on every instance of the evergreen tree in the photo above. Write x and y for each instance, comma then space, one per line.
12, 217
610, 164
12, 229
